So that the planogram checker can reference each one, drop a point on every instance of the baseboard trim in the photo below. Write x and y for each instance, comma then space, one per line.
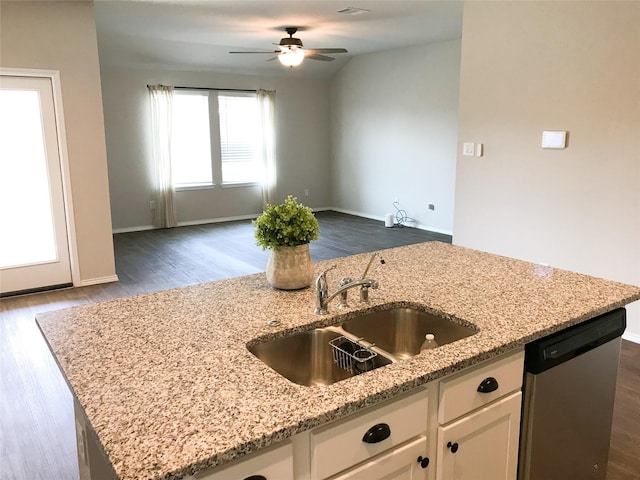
140, 228
632, 337
251, 216
97, 281
417, 225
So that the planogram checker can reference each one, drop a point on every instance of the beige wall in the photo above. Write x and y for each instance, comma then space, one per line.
62, 36
302, 144
533, 66
394, 123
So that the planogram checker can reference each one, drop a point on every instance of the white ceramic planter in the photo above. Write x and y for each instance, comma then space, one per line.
290, 268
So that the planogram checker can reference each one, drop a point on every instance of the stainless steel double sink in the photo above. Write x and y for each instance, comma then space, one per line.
308, 358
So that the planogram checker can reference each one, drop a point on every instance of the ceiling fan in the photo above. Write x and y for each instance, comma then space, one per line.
291, 51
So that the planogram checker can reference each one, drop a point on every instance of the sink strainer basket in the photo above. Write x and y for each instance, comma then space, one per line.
351, 356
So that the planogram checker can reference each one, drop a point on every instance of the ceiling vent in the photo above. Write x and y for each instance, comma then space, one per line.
353, 11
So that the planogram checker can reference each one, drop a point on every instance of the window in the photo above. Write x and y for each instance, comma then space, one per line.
190, 143
240, 138
206, 148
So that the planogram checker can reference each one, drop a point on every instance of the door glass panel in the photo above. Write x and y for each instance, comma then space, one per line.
25, 198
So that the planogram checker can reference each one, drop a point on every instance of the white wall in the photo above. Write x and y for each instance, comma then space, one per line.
394, 132
534, 66
62, 36
302, 117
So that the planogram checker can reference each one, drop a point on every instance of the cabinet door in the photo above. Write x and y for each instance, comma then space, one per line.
482, 445
401, 463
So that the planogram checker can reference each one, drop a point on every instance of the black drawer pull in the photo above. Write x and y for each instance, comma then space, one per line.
423, 461
256, 477
453, 447
488, 385
377, 433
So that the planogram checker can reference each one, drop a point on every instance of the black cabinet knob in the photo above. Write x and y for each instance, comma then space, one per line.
423, 461
453, 446
256, 477
488, 385
377, 433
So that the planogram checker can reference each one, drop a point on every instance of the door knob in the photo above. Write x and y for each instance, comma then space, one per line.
453, 446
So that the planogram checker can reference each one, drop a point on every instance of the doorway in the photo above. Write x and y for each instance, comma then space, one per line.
34, 246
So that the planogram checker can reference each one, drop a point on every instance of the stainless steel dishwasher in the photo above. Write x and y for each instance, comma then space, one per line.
569, 391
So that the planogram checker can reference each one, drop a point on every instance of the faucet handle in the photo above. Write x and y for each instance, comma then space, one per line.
321, 281
324, 272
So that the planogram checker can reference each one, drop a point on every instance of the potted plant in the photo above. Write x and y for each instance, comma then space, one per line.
286, 230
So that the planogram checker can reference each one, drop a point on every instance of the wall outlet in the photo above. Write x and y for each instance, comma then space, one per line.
152, 205
306, 192
431, 206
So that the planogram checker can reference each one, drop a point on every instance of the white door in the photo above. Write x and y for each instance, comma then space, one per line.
482, 445
34, 247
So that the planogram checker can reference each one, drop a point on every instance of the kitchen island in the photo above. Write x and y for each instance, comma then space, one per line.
170, 389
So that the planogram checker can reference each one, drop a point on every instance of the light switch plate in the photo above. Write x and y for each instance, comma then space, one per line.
554, 139
468, 149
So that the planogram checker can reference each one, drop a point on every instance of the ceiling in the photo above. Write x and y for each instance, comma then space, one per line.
197, 35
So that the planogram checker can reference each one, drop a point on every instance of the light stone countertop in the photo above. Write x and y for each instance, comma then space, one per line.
170, 388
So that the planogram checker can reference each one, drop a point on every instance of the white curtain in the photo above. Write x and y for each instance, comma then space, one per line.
267, 105
161, 107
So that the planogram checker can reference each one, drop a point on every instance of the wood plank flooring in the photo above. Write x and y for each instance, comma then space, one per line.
37, 437
624, 454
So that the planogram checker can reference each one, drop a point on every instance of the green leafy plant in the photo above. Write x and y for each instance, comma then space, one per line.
286, 225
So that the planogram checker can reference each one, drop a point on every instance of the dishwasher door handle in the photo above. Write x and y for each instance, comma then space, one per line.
488, 385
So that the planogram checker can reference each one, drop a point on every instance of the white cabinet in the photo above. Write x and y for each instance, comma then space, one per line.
479, 416
482, 445
271, 464
343, 444
399, 464
461, 393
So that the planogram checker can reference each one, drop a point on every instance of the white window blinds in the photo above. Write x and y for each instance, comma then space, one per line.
240, 138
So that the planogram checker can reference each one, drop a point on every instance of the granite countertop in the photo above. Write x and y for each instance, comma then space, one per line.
170, 388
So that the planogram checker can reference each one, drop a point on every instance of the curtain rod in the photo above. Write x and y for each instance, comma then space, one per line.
212, 88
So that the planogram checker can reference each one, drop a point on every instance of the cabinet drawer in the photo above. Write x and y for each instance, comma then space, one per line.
400, 462
459, 394
272, 464
340, 446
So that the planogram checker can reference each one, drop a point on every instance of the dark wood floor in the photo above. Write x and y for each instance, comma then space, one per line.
37, 437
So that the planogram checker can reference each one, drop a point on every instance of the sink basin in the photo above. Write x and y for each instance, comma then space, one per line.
401, 331
307, 358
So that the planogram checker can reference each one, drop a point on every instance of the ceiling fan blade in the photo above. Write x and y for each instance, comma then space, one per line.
270, 52
271, 59
328, 50
317, 56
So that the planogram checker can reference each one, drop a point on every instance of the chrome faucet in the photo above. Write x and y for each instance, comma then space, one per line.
322, 289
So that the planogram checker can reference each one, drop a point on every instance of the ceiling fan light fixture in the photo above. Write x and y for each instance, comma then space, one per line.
291, 57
